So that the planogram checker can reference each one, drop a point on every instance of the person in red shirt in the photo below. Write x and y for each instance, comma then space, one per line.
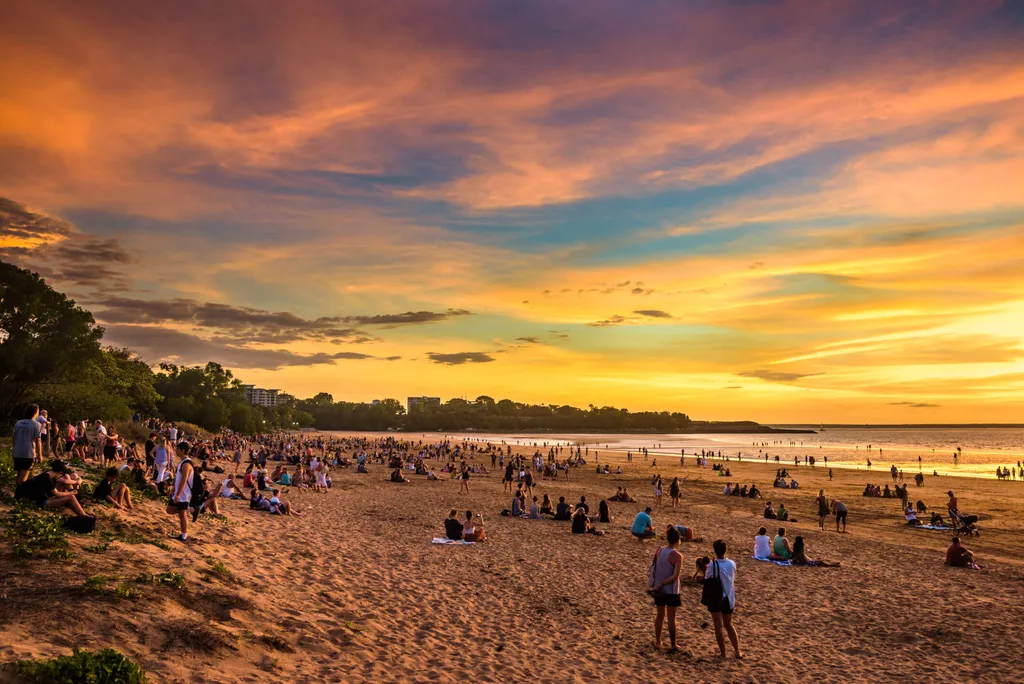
959, 556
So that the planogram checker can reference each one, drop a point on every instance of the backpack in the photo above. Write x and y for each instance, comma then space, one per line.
82, 524
713, 592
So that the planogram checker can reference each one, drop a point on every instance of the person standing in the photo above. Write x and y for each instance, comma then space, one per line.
840, 511
664, 587
44, 439
181, 495
721, 607
823, 508
27, 443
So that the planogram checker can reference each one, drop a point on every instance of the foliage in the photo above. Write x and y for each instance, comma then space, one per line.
96, 584
7, 475
43, 336
82, 667
486, 414
36, 532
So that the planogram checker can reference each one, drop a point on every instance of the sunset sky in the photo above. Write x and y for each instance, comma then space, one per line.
776, 211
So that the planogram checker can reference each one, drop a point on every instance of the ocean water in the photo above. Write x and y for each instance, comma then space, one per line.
980, 449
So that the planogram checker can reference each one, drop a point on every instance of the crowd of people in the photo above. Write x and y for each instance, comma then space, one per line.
179, 466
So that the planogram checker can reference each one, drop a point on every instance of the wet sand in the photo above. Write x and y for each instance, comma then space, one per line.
354, 590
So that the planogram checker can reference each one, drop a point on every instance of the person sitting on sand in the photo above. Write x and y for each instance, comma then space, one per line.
602, 512
361, 468
42, 490
626, 498
754, 492
518, 504
534, 510
762, 545
727, 490
473, 530
782, 513
937, 520
278, 506
911, 517
562, 510
643, 526
397, 476
230, 490
617, 496
800, 556
921, 507
257, 501
793, 484
581, 523
545, 506
769, 512
959, 556
452, 527
781, 550
109, 490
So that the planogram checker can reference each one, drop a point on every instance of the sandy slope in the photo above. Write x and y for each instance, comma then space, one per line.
354, 591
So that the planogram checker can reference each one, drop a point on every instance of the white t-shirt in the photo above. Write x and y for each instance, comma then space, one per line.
762, 546
173, 434
225, 490
727, 573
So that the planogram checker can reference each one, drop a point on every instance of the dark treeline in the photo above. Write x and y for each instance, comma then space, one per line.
486, 414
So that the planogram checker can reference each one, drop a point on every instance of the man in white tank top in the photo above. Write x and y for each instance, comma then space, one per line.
181, 494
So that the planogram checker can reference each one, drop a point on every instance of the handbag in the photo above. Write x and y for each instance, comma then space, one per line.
651, 581
713, 592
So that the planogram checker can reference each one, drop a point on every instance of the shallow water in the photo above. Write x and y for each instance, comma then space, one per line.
981, 449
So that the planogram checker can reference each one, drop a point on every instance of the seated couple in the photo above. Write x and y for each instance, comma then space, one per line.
781, 515
622, 494
471, 531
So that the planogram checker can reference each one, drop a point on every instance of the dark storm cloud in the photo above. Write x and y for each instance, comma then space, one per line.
155, 343
459, 358
407, 318
58, 251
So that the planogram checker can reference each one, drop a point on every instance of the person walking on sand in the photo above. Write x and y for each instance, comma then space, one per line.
664, 586
840, 511
823, 509
720, 597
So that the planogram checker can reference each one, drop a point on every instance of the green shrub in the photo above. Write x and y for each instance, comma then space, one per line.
127, 590
35, 532
82, 667
96, 584
171, 579
7, 475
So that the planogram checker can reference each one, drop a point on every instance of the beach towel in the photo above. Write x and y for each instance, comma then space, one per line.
931, 527
446, 540
784, 564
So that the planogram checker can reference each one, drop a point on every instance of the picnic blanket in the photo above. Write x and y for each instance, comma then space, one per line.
446, 540
931, 527
784, 564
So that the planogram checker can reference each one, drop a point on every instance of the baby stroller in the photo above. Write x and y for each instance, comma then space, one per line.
964, 524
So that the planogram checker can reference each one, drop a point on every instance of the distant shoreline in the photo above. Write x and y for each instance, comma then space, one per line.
817, 427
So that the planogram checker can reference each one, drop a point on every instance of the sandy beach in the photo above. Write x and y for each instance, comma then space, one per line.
355, 591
